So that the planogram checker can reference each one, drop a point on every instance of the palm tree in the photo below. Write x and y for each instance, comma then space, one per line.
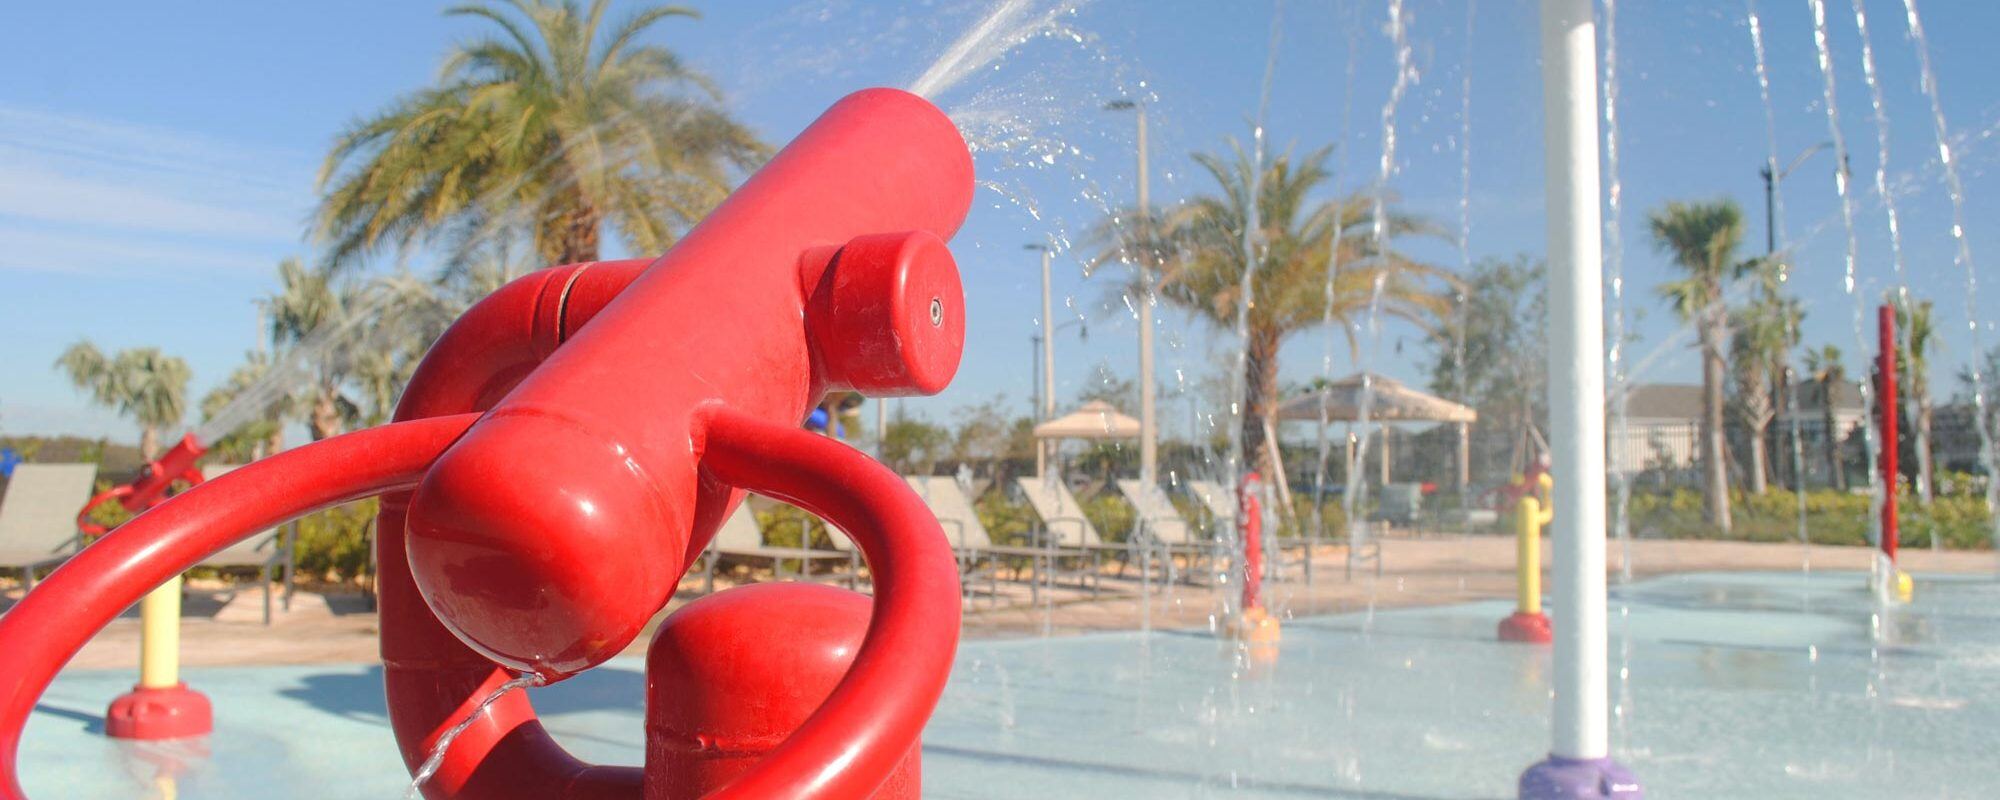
141, 383
1701, 238
308, 318
1823, 366
385, 356
1919, 337
1766, 331
545, 131
1199, 246
264, 435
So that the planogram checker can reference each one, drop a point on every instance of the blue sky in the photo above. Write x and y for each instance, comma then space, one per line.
156, 162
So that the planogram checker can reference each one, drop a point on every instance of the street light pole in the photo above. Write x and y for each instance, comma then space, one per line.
1048, 409
1772, 176
1149, 429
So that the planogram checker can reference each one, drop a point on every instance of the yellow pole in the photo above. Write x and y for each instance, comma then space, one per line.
1528, 518
160, 636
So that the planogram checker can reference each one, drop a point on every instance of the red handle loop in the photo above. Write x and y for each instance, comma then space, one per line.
54, 621
93, 529
875, 715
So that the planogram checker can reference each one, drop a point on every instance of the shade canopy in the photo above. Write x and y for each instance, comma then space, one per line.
1094, 420
1394, 401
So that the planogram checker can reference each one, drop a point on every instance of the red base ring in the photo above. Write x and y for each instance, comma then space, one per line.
1527, 628
174, 712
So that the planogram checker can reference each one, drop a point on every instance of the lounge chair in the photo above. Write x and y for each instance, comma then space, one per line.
1217, 504
1161, 525
977, 554
741, 538
1065, 534
269, 551
38, 515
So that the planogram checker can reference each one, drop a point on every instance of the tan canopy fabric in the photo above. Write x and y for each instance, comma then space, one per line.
1095, 420
1394, 402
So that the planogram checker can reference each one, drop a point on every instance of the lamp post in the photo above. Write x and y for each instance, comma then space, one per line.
1772, 177
1048, 409
1037, 341
1149, 429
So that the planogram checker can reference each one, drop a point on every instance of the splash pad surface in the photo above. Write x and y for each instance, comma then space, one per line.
1752, 684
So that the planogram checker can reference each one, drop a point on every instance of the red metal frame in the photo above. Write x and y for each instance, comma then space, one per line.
571, 443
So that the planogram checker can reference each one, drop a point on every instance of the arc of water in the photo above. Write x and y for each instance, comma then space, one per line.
1332, 276
1830, 96
1881, 119
1252, 226
1464, 245
1791, 397
1614, 266
1397, 31
1989, 450
1007, 26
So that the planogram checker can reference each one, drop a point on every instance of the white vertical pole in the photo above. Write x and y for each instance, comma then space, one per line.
881, 428
1576, 377
1149, 423
1048, 363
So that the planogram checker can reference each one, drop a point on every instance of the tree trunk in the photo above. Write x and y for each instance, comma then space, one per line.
576, 234
1923, 449
1759, 463
1260, 381
149, 442
1833, 460
325, 415
276, 444
1715, 472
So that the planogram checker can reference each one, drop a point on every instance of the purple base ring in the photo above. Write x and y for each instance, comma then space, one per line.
1561, 778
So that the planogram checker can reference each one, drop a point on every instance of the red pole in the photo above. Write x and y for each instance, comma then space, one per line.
1251, 511
1886, 367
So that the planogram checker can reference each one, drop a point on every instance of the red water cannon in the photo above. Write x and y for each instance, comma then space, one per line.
150, 486
570, 445
1506, 497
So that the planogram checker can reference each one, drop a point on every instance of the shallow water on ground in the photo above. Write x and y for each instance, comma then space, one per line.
1762, 684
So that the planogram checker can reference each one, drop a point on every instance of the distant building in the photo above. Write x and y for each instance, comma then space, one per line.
1663, 428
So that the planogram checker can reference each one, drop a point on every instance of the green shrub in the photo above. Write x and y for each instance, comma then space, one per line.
787, 526
1333, 518
1007, 522
333, 544
1959, 520
1111, 515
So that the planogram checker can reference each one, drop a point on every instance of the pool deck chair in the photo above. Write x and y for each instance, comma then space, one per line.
269, 551
1161, 524
978, 556
1217, 503
38, 515
1066, 535
741, 538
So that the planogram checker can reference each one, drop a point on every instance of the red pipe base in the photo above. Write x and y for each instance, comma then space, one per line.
1527, 628
733, 674
174, 712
